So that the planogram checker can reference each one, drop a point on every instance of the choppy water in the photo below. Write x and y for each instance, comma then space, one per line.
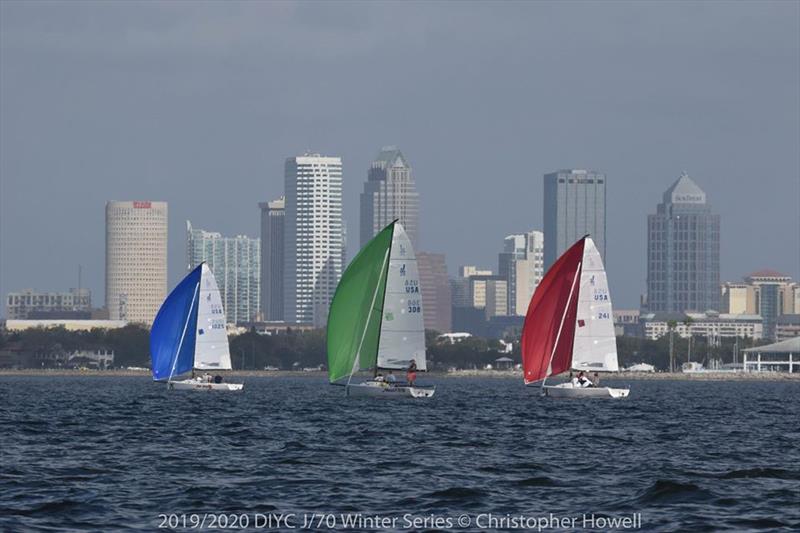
104, 454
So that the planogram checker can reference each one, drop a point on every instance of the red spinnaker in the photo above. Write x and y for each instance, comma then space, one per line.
551, 304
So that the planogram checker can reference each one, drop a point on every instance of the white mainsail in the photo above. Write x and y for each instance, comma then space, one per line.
402, 336
595, 346
211, 342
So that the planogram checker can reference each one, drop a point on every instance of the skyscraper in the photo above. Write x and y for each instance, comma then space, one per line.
435, 287
136, 260
574, 205
521, 264
389, 194
313, 237
683, 252
236, 264
272, 258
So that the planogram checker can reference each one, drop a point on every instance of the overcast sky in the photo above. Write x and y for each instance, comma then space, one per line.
199, 104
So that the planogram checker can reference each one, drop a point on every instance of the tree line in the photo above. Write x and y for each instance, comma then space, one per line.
295, 349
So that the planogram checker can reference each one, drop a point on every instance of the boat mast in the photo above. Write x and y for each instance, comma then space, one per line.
183, 334
561, 325
369, 315
383, 298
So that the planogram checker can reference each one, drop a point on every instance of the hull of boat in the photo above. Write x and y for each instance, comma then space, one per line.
385, 390
201, 385
566, 390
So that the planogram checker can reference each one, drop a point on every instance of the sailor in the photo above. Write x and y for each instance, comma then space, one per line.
207, 377
391, 378
574, 380
379, 377
596, 380
411, 373
583, 381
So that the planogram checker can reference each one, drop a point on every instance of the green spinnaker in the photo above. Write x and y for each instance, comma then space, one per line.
355, 311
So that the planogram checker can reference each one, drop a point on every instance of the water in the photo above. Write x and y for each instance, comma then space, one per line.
101, 454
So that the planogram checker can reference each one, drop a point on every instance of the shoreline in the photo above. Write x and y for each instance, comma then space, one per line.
493, 374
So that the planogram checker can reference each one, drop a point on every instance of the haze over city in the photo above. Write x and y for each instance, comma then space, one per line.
200, 104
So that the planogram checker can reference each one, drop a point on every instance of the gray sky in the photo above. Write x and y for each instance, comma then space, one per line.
199, 104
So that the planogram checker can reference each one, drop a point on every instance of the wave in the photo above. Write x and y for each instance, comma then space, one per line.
770, 473
667, 491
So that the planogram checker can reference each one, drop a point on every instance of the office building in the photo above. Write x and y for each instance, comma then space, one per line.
313, 237
574, 205
136, 260
683, 252
272, 259
30, 304
389, 194
435, 286
711, 325
767, 293
236, 264
521, 264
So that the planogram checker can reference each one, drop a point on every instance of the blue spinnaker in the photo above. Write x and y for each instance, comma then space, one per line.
172, 336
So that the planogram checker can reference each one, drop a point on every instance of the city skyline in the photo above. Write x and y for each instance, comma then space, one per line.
479, 173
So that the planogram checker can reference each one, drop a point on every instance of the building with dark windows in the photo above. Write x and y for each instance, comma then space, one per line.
389, 194
683, 252
574, 206
435, 286
272, 228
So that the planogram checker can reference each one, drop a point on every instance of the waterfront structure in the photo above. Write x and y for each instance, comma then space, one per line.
710, 324
273, 215
313, 237
32, 304
683, 252
787, 326
767, 293
626, 322
782, 356
521, 264
435, 287
574, 206
67, 323
389, 194
236, 264
136, 259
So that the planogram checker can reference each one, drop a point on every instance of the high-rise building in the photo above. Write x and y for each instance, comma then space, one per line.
435, 287
136, 260
313, 237
683, 252
30, 304
272, 258
521, 264
460, 287
236, 264
389, 194
766, 293
574, 205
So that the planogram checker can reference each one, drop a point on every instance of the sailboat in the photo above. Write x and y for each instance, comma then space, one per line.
569, 325
375, 319
188, 334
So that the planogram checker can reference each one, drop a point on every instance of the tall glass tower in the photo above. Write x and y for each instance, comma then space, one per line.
389, 194
574, 205
683, 252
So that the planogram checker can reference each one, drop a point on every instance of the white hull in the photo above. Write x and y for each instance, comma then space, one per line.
385, 390
204, 385
566, 390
